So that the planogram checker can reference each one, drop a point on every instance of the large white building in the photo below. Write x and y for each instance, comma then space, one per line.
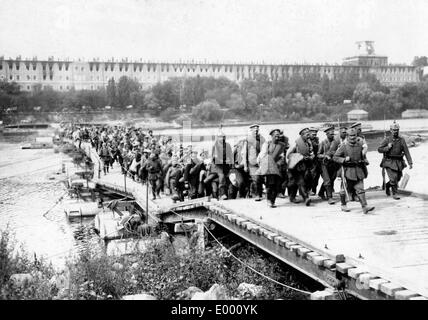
63, 75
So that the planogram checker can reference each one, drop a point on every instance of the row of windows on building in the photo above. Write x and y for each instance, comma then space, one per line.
239, 77
293, 69
61, 88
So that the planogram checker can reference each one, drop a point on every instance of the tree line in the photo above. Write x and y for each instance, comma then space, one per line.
208, 99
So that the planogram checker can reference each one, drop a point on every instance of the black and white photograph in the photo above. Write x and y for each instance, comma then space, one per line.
231, 151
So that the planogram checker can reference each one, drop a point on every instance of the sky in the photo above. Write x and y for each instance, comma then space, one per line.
269, 31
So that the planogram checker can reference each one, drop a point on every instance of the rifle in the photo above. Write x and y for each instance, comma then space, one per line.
383, 169
345, 185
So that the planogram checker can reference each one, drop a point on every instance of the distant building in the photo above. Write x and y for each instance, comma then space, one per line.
63, 75
357, 115
414, 113
425, 71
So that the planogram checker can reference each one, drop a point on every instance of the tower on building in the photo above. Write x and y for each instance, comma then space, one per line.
366, 56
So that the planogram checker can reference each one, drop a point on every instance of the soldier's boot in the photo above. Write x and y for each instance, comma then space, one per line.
343, 206
388, 189
364, 205
394, 192
322, 192
271, 202
328, 190
292, 192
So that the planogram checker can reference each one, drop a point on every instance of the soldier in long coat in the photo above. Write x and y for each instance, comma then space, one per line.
300, 176
254, 144
394, 148
350, 157
155, 173
268, 160
222, 159
328, 166
172, 179
238, 174
316, 168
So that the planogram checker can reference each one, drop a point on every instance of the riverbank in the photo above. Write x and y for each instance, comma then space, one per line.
157, 274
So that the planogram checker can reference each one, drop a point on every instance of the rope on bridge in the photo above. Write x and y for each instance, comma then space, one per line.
247, 266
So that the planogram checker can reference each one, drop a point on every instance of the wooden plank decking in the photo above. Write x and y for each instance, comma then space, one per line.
387, 249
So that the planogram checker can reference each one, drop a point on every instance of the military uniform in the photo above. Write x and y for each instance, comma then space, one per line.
239, 171
354, 170
300, 177
175, 172
394, 149
316, 168
253, 147
328, 168
269, 157
191, 176
222, 160
154, 170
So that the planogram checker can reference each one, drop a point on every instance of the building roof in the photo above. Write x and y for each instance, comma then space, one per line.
357, 111
410, 111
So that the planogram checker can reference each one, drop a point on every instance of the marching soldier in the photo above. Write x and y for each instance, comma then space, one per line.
316, 168
338, 140
254, 144
300, 176
238, 174
394, 148
268, 158
154, 169
360, 137
328, 166
222, 159
191, 174
354, 170
172, 179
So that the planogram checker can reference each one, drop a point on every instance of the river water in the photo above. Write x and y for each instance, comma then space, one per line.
31, 189
31, 186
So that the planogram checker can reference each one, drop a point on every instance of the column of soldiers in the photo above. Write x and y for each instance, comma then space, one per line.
343, 156
253, 162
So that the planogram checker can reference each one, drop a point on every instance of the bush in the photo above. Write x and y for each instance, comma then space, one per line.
159, 271
320, 117
15, 260
168, 114
294, 116
208, 110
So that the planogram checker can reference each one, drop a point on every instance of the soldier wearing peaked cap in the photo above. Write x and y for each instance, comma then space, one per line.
394, 148
268, 160
222, 159
253, 145
316, 168
328, 166
299, 167
354, 170
360, 137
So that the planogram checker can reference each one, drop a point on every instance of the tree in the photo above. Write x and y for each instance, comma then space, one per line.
260, 86
420, 61
111, 92
251, 102
315, 105
9, 91
208, 110
362, 93
167, 94
125, 87
151, 102
236, 104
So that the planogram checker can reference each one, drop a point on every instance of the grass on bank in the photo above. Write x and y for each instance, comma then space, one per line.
159, 272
